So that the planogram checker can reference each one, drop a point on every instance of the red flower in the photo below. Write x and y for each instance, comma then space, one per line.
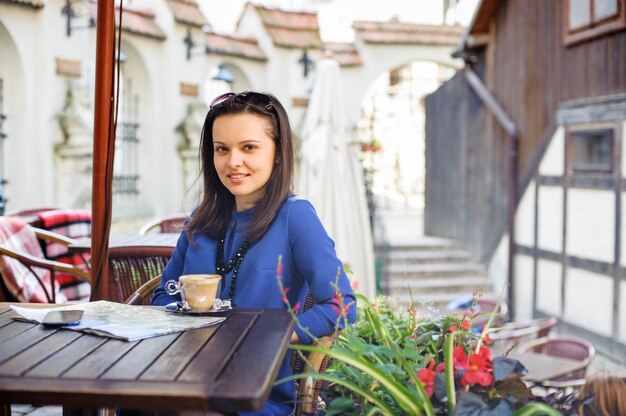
427, 377
459, 358
453, 328
338, 305
441, 367
478, 369
285, 294
279, 266
296, 307
465, 326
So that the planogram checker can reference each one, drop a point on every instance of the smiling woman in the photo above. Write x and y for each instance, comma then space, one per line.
244, 155
248, 219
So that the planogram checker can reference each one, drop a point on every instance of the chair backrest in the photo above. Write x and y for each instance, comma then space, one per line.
130, 267
169, 224
26, 284
522, 332
308, 392
545, 325
30, 215
73, 223
143, 294
488, 305
567, 347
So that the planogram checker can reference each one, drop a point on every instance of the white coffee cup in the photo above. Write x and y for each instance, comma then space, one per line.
198, 291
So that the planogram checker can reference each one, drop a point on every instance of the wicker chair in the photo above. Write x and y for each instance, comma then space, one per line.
30, 215
522, 332
133, 266
169, 224
27, 276
308, 390
567, 347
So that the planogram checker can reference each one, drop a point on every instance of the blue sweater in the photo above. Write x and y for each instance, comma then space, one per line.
309, 261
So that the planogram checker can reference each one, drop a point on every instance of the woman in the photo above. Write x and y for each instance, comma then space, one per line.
247, 219
603, 394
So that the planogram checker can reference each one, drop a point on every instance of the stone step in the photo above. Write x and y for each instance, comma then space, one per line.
393, 271
428, 256
438, 284
418, 244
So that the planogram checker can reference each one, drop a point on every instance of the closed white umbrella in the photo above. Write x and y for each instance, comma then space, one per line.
331, 176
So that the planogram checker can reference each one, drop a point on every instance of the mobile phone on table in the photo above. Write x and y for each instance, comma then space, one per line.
62, 318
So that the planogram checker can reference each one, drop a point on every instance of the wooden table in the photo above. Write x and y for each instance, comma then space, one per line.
83, 245
226, 368
543, 367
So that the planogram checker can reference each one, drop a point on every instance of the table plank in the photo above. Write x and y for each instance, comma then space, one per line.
266, 341
30, 357
56, 364
20, 342
173, 361
6, 317
100, 360
12, 329
212, 358
542, 367
97, 393
131, 365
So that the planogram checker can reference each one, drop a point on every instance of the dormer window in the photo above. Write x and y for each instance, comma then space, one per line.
588, 19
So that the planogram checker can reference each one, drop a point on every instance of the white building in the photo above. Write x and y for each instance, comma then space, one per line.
169, 59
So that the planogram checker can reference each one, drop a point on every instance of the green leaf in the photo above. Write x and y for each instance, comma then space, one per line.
363, 393
514, 386
536, 409
340, 405
448, 348
471, 404
503, 367
400, 393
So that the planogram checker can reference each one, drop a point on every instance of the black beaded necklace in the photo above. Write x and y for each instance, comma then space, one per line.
233, 264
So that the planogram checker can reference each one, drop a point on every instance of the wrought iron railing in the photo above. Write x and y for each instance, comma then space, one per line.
126, 173
3, 136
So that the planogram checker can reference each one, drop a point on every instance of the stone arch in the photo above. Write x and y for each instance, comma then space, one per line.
380, 58
137, 105
213, 88
398, 126
17, 168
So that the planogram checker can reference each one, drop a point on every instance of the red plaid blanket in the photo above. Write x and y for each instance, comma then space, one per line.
16, 235
74, 223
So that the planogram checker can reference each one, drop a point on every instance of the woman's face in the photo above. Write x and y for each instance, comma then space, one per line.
244, 156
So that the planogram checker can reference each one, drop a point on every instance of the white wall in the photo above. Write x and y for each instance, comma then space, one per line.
549, 283
523, 287
550, 213
591, 224
589, 300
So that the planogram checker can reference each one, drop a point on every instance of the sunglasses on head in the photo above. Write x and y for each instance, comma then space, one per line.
249, 97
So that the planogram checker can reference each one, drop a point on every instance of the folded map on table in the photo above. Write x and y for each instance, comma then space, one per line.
126, 322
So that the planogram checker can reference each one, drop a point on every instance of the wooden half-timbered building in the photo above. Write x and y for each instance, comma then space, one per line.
526, 164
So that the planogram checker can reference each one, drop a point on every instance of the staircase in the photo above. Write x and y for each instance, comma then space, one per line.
435, 270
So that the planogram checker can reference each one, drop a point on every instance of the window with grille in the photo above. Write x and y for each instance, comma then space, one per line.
3, 136
126, 168
587, 19
591, 150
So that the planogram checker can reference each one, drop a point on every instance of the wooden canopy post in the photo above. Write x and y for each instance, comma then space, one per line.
103, 148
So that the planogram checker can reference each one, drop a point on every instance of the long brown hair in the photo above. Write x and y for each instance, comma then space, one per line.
211, 217
607, 393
